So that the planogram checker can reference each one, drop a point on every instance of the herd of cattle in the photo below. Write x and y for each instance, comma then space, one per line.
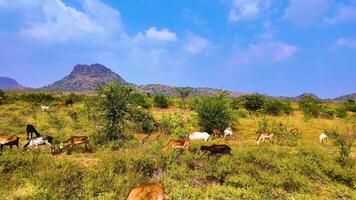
149, 191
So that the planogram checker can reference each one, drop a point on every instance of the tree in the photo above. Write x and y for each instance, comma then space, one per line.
213, 112
310, 106
114, 103
254, 102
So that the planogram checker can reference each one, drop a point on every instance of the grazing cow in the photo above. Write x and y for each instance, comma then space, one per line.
8, 140
30, 129
149, 191
228, 132
199, 136
43, 140
75, 140
177, 144
45, 108
216, 149
264, 136
323, 138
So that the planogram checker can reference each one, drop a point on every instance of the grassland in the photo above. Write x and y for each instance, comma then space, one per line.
303, 169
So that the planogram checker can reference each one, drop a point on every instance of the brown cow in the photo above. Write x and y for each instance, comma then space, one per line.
149, 191
75, 140
177, 144
8, 140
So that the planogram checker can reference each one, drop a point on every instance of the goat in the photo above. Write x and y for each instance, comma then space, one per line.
323, 138
43, 140
30, 129
199, 136
217, 133
149, 191
8, 140
264, 136
216, 149
45, 108
75, 140
228, 132
177, 144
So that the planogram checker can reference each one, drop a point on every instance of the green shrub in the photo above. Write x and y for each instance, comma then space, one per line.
277, 107
254, 102
37, 98
173, 124
341, 112
310, 106
213, 112
73, 98
327, 112
344, 142
143, 120
160, 101
350, 105
139, 100
2, 97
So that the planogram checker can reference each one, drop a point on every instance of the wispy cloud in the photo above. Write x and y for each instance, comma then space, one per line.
244, 10
344, 42
343, 14
305, 12
196, 44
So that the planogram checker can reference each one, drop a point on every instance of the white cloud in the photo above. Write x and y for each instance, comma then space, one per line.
195, 44
345, 42
267, 52
62, 23
247, 9
343, 14
154, 35
305, 12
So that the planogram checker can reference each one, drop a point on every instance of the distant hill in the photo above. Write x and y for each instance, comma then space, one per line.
346, 97
85, 78
306, 95
171, 91
10, 84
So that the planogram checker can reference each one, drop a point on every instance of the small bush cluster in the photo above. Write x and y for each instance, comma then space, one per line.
138, 99
173, 124
143, 120
161, 101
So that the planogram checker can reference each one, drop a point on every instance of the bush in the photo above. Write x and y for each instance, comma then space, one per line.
341, 112
327, 112
2, 97
72, 98
138, 99
37, 98
213, 113
160, 101
310, 106
344, 142
254, 102
276, 107
173, 124
350, 105
114, 103
143, 119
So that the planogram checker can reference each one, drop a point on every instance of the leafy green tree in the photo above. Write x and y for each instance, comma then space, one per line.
138, 100
310, 106
160, 101
143, 119
213, 112
114, 104
277, 107
184, 93
254, 102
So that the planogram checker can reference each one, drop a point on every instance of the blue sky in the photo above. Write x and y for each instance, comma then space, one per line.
274, 47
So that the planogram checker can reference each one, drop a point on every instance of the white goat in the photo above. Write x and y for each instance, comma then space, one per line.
45, 108
263, 137
199, 136
323, 138
228, 132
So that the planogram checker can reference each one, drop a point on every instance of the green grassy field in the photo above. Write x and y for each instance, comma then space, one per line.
301, 169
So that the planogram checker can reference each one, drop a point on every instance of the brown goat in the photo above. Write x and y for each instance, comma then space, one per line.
217, 133
75, 140
8, 140
177, 144
264, 136
149, 191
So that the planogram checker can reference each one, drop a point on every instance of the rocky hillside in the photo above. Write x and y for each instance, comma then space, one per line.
85, 78
346, 97
10, 84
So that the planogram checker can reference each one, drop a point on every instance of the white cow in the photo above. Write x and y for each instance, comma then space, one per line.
45, 108
199, 136
228, 132
323, 138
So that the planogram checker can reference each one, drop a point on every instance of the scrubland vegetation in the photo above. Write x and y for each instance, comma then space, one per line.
128, 130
